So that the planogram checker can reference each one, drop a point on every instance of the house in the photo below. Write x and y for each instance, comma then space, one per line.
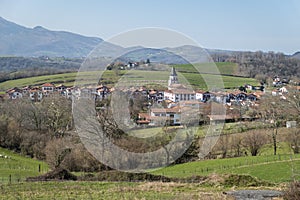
179, 94
220, 97
283, 90
199, 95
252, 97
47, 88
291, 124
241, 96
15, 93
35, 95
60, 88
207, 96
161, 116
102, 92
143, 119
156, 96
274, 93
26, 90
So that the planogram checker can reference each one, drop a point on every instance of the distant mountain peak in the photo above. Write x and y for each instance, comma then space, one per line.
38, 41
39, 28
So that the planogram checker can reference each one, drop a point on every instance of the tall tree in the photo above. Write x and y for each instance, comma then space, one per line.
272, 111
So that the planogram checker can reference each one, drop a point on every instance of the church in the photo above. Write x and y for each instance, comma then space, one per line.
178, 92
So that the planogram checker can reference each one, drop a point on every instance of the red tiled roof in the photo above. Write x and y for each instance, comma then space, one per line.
47, 85
143, 121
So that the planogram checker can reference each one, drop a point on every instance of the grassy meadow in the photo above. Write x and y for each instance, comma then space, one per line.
186, 72
110, 190
15, 167
274, 169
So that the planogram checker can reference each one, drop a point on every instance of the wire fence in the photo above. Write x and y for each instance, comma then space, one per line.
11, 173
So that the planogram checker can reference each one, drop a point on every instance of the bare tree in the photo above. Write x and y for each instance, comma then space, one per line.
273, 111
223, 145
59, 118
254, 141
56, 151
237, 145
293, 139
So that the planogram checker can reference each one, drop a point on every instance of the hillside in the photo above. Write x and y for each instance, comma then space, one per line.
270, 168
227, 71
296, 55
17, 168
21, 41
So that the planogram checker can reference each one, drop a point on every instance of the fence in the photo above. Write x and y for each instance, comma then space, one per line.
12, 173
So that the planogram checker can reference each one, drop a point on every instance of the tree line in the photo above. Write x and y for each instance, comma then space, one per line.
262, 65
21, 67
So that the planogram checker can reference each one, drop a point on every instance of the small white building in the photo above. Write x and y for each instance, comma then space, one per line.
35, 95
48, 88
291, 124
170, 116
15, 93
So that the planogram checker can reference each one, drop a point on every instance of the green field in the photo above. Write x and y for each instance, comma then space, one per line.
270, 168
273, 169
16, 168
110, 77
108, 190
225, 68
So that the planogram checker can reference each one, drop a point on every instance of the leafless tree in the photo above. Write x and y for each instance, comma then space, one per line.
293, 139
236, 145
254, 141
273, 111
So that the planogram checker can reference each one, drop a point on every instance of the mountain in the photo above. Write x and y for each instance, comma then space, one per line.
296, 55
16, 40
21, 41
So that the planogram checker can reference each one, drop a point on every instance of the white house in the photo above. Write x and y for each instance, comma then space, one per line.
35, 95
15, 93
48, 88
161, 116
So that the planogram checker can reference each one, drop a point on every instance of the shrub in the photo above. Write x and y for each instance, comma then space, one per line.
293, 191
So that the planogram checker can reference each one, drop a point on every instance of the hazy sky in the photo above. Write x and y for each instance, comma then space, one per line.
268, 25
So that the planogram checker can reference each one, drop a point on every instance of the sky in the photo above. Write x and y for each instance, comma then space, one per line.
267, 25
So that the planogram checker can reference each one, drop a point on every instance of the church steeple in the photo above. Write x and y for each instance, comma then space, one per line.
173, 72
173, 79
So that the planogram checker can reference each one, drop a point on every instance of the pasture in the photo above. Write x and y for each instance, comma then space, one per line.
187, 73
15, 168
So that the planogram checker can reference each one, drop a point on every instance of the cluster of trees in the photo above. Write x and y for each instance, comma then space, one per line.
44, 131
21, 67
262, 65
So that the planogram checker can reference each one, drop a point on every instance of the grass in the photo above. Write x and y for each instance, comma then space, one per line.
111, 77
19, 167
112, 191
276, 169
254, 166
225, 68
276, 172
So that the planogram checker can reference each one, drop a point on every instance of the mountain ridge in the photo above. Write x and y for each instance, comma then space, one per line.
18, 40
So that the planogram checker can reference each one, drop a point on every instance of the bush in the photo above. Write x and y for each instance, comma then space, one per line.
293, 191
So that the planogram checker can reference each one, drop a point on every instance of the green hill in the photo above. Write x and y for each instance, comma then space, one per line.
187, 71
270, 168
14, 167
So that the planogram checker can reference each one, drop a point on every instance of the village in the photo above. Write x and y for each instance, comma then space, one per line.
176, 100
